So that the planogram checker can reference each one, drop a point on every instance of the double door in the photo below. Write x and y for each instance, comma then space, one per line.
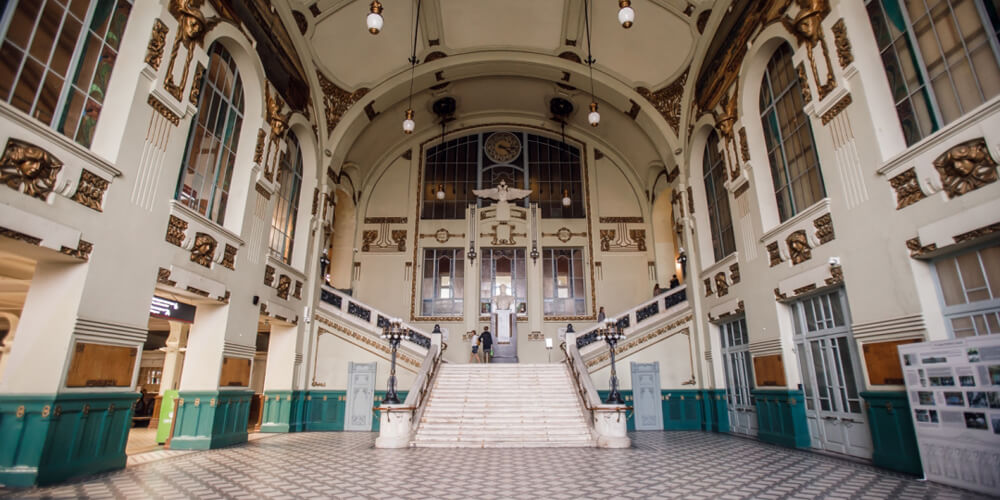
739, 377
831, 379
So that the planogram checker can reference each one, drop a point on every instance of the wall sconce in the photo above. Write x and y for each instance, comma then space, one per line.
471, 254
534, 254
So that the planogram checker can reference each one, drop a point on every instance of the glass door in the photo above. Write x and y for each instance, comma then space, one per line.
830, 377
739, 377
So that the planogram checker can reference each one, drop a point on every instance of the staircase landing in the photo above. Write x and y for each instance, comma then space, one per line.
503, 406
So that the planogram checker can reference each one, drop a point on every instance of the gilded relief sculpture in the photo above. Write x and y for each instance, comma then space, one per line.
807, 29
279, 126
966, 167
29, 169
724, 124
204, 249
192, 26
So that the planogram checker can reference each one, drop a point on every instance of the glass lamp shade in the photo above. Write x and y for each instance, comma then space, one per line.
594, 117
408, 124
626, 15
566, 201
440, 193
375, 23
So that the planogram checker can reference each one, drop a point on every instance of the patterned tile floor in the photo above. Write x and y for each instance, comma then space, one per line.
689, 465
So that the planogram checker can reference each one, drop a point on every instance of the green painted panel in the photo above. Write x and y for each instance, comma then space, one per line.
50, 438
781, 417
324, 410
715, 414
893, 436
211, 419
682, 409
297, 412
277, 411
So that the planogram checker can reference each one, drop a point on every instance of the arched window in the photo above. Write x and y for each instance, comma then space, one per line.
719, 217
286, 209
798, 182
215, 132
941, 57
56, 60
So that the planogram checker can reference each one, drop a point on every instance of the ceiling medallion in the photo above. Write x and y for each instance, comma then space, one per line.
502, 147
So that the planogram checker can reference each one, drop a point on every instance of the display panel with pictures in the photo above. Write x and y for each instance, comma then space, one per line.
953, 387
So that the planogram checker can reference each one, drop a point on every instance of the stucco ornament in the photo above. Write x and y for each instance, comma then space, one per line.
192, 26
798, 247
204, 249
725, 123
965, 167
808, 29
29, 169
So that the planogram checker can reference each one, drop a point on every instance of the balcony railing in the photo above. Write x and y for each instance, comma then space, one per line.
633, 319
368, 318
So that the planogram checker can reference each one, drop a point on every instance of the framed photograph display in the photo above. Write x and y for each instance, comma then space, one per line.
954, 392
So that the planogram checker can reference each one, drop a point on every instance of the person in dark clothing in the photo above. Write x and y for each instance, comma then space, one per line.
657, 290
674, 282
601, 315
486, 340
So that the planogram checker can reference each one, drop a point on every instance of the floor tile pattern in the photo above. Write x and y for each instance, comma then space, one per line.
689, 465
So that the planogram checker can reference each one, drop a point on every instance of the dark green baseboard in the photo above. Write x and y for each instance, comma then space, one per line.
781, 417
211, 419
49, 438
715, 410
893, 437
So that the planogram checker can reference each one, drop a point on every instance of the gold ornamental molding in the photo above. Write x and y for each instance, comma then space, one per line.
843, 43
799, 250
258, 150
807, 28
175, 230
907, 188
284, 286
721, 285
195, 94
773, 254
667, 101
442, 235
268, 275
591, 317
15, 235
564, 234
82, 250
649, 339
157, 42
229, 257
917, 249
841, 105
824, 228
620, 220
163, 276
365, 342
385, 220
336, 100
734, 273
807, 95
90, 190
29, 169
163, 110
192, 26
977, 233
204, 249
965, 167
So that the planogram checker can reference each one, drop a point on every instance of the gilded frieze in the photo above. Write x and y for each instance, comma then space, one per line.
284, 286
175, 230
564, 234
268, 275
724, 124
744, 145
258, 150
10, 233
977, 233
843, 43
773, 253
29, 169
837, 108
442, 235
620, 220
337, 100
824, 228
916, 249
804, 289
157, 42
836, 276
721, 285
667, 100
90, 190
204, 249
82, 250
734, 273
907, 189
807, 95
708, 287
966, 167
278, 122
163, 110
229, 257
163, 276
192, 26
799, 250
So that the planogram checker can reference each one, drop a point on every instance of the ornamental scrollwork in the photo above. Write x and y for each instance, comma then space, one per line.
229, 257
807, 29
29, 169
907, 189
268, 275
90, 190
157, 42
667, 100
336, 100
192, 26
284, 285
966, 167
175, 230
843, 44
824, 228
774, 254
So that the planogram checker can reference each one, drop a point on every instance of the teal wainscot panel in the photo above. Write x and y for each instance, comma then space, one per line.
49, 438
893, 436
781, 417
211, 419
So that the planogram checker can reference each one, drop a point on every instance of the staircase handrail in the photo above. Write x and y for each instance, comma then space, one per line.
631, 320
417, 400
354, 311
585, 388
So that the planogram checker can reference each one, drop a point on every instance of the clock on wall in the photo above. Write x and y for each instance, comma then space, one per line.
502, 147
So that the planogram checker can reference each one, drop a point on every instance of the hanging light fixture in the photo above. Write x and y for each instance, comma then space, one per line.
593, 117
440, 192
566, 201
374, 19
408, 124
626, 14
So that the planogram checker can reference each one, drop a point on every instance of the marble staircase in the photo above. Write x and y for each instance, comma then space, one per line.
503, 406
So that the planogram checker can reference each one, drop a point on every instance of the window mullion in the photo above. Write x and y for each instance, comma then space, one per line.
991, 33
921, 65
81, 41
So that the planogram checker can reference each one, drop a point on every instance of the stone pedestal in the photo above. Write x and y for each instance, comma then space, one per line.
394, 428
612, 429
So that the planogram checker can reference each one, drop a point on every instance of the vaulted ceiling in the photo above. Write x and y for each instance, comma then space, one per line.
500, 58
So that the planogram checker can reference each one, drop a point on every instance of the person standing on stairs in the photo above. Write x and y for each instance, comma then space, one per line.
475, 352
486, 339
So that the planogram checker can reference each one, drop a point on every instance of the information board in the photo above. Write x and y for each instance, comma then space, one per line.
954, 392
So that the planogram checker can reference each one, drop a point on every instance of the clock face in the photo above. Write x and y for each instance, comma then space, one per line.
502, 147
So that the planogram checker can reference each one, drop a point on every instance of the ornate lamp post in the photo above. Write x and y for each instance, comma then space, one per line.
394, 332
612, 333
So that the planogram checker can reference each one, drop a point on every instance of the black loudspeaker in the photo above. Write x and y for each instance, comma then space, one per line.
256, 299
560, 107
445, 107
